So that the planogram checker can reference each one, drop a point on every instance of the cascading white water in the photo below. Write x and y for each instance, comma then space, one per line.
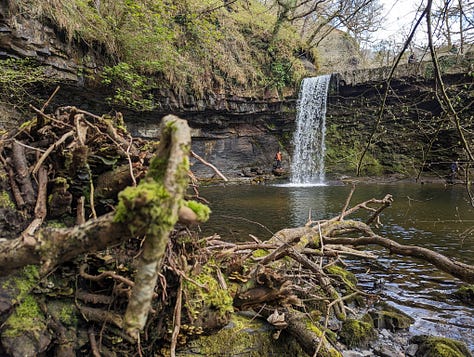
307, 166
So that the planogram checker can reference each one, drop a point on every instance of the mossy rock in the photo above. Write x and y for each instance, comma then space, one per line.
208, 305
466, 294
348, 278
25, 332
243, 336
390, 318
439, 346
355, 333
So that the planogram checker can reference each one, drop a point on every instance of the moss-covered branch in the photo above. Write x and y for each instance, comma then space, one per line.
151, 208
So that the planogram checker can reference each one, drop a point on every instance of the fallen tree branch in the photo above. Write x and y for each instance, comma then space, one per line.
170, 167
53, 246
40, 207
199, 158
459, 270
23, 174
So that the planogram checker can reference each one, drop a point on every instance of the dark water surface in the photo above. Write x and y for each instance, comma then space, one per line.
431, 215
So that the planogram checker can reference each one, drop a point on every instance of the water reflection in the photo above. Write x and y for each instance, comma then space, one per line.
306, 203
431, 216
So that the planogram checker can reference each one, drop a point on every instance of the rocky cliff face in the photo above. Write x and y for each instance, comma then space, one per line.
24, 37
413, 132
232, 132
236, 133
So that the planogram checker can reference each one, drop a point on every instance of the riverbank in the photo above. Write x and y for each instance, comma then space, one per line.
256, 177
427, 215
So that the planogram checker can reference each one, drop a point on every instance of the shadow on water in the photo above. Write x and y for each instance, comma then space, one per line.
431, 216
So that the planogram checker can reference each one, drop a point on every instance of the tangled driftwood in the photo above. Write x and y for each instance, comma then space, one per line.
70, 166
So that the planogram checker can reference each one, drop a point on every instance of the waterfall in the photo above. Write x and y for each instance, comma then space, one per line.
307, 166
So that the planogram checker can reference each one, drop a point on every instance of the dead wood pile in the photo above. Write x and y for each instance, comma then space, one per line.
109, 286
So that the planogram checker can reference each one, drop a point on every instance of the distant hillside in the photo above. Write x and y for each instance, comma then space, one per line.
339, 52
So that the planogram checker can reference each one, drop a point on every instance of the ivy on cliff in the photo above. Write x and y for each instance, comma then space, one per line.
17, 80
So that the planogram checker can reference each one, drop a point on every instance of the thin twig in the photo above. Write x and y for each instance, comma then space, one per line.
103, 275
93, 343
348, 200
49, 99
28, 146
199, 158
50, 149
60, 122
80, 215
129, 159
91, 198
177, 319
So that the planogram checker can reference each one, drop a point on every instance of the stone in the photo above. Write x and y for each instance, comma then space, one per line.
352, 354
411, 350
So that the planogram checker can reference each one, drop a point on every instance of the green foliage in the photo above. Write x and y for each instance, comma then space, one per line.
191, 47
131, 88
281, 74
18, 77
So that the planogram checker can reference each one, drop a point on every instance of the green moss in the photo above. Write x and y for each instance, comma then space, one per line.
202, 211
355, 333
328, 334
67, 315
27, 317
212, 299
440, 346
348, 278
312, 327
61, 181
343, 153
243, 336
259, 253
56, 224
390, 318
5, 200
308, 240
23, 282
144, 208
157, 168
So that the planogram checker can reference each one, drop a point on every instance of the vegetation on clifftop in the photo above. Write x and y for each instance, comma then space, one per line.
189, 46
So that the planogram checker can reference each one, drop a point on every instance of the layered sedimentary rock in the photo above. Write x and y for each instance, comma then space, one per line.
237, 133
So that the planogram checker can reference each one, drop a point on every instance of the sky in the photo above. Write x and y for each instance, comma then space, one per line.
399, 16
